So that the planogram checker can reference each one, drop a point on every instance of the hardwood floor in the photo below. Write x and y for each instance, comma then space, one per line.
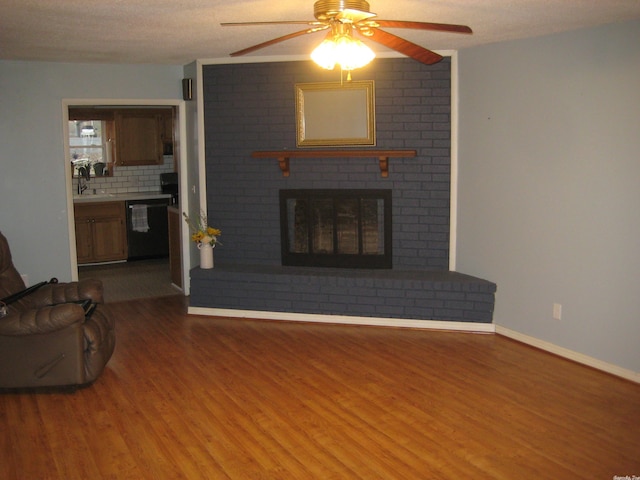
199, 397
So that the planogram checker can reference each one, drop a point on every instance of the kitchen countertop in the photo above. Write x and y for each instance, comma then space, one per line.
118, 197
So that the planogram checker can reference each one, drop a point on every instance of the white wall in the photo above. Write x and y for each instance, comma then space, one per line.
549, 186
33, 197
195, 182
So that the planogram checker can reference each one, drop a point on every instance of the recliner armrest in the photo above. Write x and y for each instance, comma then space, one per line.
41, 320
55, 293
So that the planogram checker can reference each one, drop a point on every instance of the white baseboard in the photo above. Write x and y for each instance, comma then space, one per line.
569, 354
345, 319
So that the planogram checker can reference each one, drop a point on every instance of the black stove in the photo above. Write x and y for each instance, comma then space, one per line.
169, 184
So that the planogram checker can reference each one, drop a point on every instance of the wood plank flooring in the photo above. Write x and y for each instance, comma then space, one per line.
215, 398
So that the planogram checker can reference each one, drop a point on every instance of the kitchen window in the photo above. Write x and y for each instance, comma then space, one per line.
89, 146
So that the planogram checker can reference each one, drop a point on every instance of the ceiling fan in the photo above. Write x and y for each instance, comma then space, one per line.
344, 17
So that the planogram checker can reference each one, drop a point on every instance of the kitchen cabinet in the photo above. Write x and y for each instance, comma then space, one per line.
101, 234
139, 134
133, 136
166, 124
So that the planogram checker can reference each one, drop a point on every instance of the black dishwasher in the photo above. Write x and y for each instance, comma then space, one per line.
147, 228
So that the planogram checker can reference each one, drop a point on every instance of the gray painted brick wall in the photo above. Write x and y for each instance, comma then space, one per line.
251, 107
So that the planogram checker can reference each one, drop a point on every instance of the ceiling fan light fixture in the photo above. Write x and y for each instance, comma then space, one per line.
324, 54
340, 48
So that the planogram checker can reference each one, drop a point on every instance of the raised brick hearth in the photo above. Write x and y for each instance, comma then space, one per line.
406, 294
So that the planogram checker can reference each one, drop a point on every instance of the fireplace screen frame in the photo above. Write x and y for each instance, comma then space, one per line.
382, 259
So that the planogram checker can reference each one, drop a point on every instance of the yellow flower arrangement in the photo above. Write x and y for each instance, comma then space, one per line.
201, 232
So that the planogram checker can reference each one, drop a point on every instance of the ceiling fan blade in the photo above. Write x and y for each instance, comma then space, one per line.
403, 46
282, 22
277, 40
441, 27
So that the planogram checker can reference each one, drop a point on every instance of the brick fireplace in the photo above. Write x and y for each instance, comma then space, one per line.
251, 107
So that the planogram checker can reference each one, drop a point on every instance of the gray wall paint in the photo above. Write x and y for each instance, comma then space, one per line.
33, 195
548, 186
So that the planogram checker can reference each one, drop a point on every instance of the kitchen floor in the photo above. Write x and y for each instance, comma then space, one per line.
132, 280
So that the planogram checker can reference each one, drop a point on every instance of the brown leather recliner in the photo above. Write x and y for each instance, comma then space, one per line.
45, 341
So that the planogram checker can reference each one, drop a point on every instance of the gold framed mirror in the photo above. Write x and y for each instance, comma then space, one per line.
335, 114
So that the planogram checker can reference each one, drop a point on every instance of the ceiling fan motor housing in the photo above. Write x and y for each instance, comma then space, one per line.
327, 9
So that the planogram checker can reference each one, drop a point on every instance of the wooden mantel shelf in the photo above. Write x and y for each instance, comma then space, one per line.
283, 156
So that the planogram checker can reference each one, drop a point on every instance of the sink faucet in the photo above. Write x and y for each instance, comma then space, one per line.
83, 177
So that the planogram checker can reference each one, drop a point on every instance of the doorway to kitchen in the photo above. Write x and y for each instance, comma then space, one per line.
134, 164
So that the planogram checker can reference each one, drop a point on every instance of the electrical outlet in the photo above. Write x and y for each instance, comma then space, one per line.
557, 311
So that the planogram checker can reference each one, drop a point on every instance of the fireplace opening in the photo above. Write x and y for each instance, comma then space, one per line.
336, 228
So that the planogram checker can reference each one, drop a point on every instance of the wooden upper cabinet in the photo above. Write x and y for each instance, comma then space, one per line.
139, 137
134, 135
166, 133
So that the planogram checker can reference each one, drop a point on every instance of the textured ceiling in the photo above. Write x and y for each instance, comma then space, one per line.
180, 31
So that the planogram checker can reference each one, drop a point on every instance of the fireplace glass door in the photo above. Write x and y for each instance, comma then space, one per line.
336, 228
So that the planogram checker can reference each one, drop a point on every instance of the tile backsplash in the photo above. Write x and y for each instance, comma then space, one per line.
144, 178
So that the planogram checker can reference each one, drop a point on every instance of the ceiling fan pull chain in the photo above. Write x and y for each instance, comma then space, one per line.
342, 70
